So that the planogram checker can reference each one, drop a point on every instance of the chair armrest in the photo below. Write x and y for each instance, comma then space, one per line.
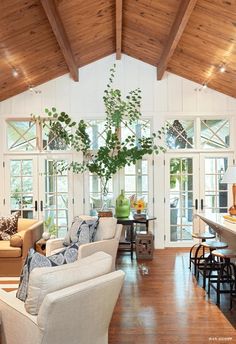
53, 244
17, 326
30, 236
108, 246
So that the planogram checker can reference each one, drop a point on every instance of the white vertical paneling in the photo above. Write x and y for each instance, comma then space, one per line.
18, 104
6, 107
175, 93
160, 95
204, 100
48, 95
189, 96
33, 103
231, 104
219, 102
62, 93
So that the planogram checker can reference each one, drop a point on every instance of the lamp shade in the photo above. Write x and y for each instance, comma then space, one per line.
230, 175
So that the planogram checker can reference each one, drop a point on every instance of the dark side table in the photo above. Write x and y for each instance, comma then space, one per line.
130, 221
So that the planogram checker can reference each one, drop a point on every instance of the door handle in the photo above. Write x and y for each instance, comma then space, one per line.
36, 205
202, 206
196, 204
41, 205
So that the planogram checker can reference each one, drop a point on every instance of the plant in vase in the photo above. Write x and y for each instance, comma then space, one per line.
116, 153
139, 205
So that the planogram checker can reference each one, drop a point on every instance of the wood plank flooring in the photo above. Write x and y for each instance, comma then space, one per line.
167, 306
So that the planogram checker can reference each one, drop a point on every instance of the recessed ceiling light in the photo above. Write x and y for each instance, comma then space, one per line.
222, 68
15, 72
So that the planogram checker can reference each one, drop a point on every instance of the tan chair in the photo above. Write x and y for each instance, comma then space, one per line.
71, 312
12, 257
107, 240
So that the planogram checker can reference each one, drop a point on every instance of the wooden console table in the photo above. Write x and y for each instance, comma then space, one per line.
222, 227
130, 221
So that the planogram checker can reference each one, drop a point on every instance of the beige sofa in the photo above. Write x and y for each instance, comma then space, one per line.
107, 240
12, 258
72, 304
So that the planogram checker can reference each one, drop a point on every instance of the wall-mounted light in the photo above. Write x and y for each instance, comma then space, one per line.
34, 90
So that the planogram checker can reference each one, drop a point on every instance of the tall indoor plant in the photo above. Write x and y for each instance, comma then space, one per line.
116, 153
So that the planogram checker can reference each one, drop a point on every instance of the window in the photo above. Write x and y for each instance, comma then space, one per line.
198, 134
180, 134
134, 178
21, 136
214, 134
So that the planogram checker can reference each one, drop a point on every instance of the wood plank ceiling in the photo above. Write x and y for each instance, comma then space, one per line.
43, 39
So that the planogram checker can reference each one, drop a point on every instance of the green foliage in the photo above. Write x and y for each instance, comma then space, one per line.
50, 226
115, 154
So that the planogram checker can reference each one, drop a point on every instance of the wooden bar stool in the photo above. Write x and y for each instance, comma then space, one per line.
226, 272
209, 261
195, 259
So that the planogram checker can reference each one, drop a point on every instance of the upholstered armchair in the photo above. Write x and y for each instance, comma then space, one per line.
71, 303
107, 240
13, 252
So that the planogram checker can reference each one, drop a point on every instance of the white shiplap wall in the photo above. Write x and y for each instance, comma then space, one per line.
160, 99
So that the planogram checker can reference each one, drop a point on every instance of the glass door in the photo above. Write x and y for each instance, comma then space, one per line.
36, 190
181, 200
213, 193
56, 195
193, 185
21, 181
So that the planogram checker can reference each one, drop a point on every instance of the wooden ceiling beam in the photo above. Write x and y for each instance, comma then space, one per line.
118, 28
185, 9
61, 36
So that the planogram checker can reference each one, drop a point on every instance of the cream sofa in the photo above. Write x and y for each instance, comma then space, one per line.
107, 240
72, 304
12, 258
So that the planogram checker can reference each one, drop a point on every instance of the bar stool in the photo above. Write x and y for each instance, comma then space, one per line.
195, 259
209, 261
226, 272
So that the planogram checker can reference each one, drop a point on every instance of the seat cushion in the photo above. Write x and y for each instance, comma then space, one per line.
46, 280
6, 251
106, 228
37, 260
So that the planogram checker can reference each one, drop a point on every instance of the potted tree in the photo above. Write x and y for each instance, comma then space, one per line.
116, 153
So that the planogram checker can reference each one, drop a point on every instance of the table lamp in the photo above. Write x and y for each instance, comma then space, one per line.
230, 178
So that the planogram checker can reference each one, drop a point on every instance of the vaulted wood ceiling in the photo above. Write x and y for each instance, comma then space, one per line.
43, 39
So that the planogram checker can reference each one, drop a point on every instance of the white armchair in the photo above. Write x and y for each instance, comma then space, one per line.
68, 312
107, 240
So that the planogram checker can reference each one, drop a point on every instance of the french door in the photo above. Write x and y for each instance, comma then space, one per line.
34, 187
193, 185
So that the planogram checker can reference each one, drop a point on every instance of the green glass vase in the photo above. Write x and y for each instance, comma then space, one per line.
122, 205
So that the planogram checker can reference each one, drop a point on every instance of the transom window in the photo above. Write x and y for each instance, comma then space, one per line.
23, 136
198, 134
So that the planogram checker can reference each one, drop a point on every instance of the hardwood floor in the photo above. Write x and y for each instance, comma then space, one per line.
167, 305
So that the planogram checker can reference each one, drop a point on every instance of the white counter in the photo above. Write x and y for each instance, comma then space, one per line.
225, 229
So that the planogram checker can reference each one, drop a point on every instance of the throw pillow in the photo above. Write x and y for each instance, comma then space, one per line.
8, 225
37, 260
81, 231
46, 280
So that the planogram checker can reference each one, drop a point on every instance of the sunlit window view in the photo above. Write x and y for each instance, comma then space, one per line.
134, 177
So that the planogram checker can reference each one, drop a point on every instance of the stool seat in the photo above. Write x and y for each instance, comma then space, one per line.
203, 235
224, 253
215, 244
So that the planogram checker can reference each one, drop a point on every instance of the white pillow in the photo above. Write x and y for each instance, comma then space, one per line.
43, 281
106, 228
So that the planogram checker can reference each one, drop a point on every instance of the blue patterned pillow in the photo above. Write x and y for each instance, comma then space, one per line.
37, 260
81, 231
